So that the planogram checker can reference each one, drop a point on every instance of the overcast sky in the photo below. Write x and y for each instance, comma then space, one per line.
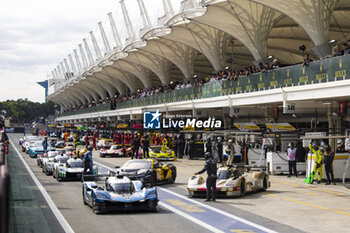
36, 35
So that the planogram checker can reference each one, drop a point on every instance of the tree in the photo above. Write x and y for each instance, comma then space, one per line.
26, 111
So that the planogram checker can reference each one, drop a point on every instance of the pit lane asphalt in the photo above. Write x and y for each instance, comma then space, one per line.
68, 199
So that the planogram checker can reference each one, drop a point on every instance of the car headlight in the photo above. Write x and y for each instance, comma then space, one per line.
101, 196
231, 182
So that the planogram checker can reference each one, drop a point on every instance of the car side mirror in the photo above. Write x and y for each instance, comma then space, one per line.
116, 166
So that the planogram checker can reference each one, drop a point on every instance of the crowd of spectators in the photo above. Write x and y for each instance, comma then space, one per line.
200, 81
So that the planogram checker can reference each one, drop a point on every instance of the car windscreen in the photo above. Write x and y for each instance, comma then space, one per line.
223, 174
122, 187
52, 154
62, 159
37, 144
134, 164
156, 149
115, 147
75, 163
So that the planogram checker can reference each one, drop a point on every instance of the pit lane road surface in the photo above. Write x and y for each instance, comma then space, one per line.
176, 213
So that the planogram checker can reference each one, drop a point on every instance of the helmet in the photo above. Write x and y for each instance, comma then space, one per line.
230, 141
219, 139
339, 142
207, 155
323, 144
291, 144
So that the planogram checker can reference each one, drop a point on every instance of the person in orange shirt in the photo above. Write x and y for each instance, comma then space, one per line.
66, 135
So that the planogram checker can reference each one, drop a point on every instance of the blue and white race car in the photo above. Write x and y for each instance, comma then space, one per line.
36, 149
118, 193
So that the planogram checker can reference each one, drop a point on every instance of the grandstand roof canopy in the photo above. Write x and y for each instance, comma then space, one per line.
197, 39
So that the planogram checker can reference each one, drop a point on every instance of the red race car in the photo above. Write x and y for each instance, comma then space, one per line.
116, 150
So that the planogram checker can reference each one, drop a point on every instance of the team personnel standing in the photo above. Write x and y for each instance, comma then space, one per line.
318, 163
88, 161
94, 141
45, 144
219, 147
66, 135
135, 148
328, 156
208, 146
145, 147
211, 169
86, 140
75, 137
292, 163
230, 151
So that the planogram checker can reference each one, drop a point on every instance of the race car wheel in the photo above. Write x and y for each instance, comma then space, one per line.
96, 208
102, 156
265, 185
23, 150
242, 188
37, 162
152, 205
43, 167
54, 173
173, 176
57, 177
153, 179
84, 200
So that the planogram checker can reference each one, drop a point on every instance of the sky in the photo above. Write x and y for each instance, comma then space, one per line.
36, 35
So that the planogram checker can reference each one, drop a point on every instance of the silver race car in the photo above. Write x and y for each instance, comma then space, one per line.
72, 169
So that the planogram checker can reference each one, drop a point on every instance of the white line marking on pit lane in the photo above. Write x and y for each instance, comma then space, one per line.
220, 211
65, 225
189, 217
206, 206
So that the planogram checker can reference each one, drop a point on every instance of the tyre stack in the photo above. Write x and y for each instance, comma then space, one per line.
4, 188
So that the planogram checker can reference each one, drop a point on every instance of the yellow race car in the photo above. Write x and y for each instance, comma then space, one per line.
150, 171
161, 153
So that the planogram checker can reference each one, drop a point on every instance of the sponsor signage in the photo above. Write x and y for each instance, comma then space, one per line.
247, 126
153, 120
280, 127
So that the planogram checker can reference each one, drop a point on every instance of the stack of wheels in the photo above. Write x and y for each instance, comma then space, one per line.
4, 199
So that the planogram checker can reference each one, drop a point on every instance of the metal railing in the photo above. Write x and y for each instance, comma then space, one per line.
4, 188
327, 70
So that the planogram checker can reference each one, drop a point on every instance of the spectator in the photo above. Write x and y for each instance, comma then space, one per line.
346, 49
266, 67
188, 84
307, 60
275, 64
337, 51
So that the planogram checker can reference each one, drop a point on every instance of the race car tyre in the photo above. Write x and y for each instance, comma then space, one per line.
54, 173
57, 176
96, 208
84, 200
173, 176
37, 162
42, 168
153, 179
102, 156
152, 205
242, 188
265, 184
23, 150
